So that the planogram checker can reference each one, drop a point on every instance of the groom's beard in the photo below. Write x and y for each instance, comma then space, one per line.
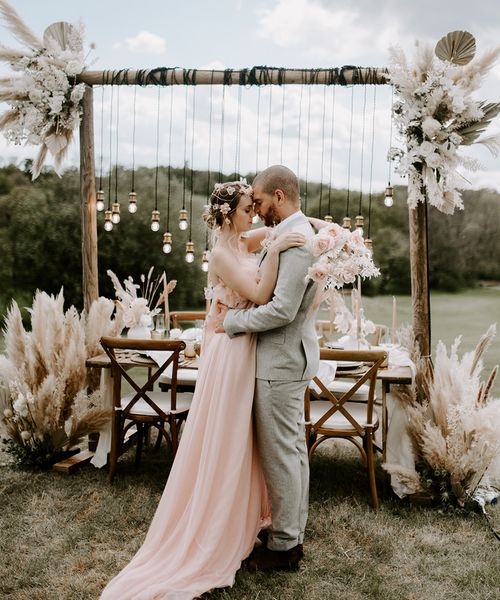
270, 218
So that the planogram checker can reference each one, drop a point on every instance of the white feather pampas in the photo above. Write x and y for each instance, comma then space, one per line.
452, 421
44, 371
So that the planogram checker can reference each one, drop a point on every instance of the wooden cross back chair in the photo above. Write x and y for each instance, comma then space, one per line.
144, 407
331, 414
186, 378
179, 316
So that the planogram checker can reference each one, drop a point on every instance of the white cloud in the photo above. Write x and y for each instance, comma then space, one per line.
340, 35
146, 42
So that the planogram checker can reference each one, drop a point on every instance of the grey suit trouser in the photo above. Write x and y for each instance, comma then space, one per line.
279, 424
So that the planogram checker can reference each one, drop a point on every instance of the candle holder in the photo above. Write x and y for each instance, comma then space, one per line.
346, 223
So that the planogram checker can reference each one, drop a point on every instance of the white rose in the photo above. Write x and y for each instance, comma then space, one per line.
430, 126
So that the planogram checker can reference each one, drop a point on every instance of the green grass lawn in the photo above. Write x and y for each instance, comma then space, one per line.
63, 537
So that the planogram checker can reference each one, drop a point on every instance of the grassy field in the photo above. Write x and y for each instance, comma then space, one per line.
63, 537
468, 314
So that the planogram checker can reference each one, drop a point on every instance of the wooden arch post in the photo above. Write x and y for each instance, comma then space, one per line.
419, 267
88, 202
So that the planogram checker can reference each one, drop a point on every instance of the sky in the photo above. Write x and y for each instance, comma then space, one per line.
237, 34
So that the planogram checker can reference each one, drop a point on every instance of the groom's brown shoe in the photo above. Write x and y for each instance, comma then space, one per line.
275, 560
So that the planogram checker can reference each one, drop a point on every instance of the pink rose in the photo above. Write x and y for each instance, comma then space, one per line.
348, 273
320, 244
319, 272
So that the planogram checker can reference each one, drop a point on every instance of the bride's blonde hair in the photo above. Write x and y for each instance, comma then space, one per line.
224, 201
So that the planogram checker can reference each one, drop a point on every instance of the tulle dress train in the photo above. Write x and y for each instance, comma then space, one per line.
215, 500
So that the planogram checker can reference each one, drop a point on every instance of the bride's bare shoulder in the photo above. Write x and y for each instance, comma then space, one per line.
221, 255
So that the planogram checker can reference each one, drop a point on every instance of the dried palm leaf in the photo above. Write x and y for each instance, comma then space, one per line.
59, 33
17, 26
457, 47
471, 131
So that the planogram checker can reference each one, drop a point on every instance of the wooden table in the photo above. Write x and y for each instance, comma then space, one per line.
387, 376
134, 359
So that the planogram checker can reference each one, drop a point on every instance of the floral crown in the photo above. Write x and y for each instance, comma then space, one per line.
223, 201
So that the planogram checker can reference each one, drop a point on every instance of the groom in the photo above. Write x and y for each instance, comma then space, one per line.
287, 359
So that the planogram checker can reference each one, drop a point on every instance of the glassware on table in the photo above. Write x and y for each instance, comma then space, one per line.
189, 350
159, 324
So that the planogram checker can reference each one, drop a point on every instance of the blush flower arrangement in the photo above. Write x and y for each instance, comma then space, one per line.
436, 113
138, 310
342, 256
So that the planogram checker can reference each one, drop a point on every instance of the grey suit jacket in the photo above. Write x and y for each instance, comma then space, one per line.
287, 345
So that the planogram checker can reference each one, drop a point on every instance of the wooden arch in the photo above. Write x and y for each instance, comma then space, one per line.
256, 76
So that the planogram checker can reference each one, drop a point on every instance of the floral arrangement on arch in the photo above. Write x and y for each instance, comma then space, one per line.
139, 310
342, 256
436, 114
453, 422
45, 100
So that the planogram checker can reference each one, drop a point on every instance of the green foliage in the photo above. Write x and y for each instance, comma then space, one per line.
40, 235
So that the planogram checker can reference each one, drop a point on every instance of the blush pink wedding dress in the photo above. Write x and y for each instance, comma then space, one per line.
215, 500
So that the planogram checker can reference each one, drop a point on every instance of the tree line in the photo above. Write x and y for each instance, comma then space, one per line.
40, 235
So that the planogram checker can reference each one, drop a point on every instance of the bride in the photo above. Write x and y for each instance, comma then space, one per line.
215, 500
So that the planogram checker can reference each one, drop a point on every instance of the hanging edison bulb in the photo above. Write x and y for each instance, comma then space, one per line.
108, 220
369, 244
183, 222
99, 200
115, 213
346, 223
155, 220
328, 218
389, 196
132, 202
204, 261
189, 252
360, 221
167, 242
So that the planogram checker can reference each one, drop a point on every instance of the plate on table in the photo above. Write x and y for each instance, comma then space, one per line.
349, 364
334, 346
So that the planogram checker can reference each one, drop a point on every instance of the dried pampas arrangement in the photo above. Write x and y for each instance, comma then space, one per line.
48, 408
453, 422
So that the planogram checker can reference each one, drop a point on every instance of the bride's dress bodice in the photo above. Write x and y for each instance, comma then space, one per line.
222, 294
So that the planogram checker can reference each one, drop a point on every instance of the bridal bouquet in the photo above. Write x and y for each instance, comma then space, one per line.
342, 256
137, 310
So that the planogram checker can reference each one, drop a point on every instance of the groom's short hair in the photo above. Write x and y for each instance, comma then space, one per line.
279, 177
